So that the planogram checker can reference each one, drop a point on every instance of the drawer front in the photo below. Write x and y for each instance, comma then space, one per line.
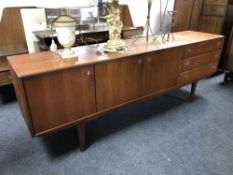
196, 74
216, 2
198, 61
5, 77
201, 47
214, 10
3, 64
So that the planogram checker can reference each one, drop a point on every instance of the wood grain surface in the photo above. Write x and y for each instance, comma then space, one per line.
43, 62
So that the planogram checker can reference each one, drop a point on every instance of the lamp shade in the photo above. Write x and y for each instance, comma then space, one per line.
45, 4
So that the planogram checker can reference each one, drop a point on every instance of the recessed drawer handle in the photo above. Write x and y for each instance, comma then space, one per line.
214, 67
88, 73
186, 76
140, 61
214, 9
149, 59
187, 63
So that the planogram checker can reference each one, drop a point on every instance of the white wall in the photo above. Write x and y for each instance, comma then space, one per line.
138, 9
44, 3
33, 19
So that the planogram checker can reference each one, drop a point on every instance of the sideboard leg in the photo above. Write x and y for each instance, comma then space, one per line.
81, 136
193, 90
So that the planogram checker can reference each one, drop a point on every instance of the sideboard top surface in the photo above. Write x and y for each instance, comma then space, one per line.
43, 62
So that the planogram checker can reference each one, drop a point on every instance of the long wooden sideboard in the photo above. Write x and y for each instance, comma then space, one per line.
54, 93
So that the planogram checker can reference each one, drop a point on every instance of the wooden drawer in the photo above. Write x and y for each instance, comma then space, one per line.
3, 64
211, 24
196, 74
201, 47
201, 60
214, 10
215, 2
5, 77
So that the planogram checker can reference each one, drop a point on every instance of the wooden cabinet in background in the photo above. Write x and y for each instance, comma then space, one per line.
183, 14
200, 15
12, 41
227, 54
4, 72
212, 16
5, 78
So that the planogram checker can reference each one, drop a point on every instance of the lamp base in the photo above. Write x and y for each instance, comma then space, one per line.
68, 53
115, 45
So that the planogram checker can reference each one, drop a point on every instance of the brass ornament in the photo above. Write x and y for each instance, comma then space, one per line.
114, 22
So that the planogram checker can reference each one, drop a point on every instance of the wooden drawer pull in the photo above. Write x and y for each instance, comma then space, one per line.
140, 61
189, 50
186, 76
187, 63
214, 67
216, 55
9, 76
218, 43
88, 73
149, 59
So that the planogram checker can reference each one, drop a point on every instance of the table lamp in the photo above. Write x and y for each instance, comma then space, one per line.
65, 27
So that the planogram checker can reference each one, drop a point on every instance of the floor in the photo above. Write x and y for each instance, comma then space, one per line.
162, 136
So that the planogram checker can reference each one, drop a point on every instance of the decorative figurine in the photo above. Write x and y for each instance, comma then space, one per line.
115, 43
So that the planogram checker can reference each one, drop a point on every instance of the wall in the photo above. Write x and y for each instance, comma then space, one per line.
138, 9
33, 20
44, 3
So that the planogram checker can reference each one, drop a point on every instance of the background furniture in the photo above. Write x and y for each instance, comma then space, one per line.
200, 15
55, 93
227, 58
5, 78
12, 42
92, 33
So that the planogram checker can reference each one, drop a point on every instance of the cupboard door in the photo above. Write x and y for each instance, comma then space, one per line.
160, 70
58, 98
118, 82
182, 18
211, 24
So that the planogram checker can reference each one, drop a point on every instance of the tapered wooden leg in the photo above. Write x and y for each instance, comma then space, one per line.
193, 90
81, 136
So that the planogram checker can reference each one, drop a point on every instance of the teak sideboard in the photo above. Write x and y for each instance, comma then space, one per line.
54, 93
